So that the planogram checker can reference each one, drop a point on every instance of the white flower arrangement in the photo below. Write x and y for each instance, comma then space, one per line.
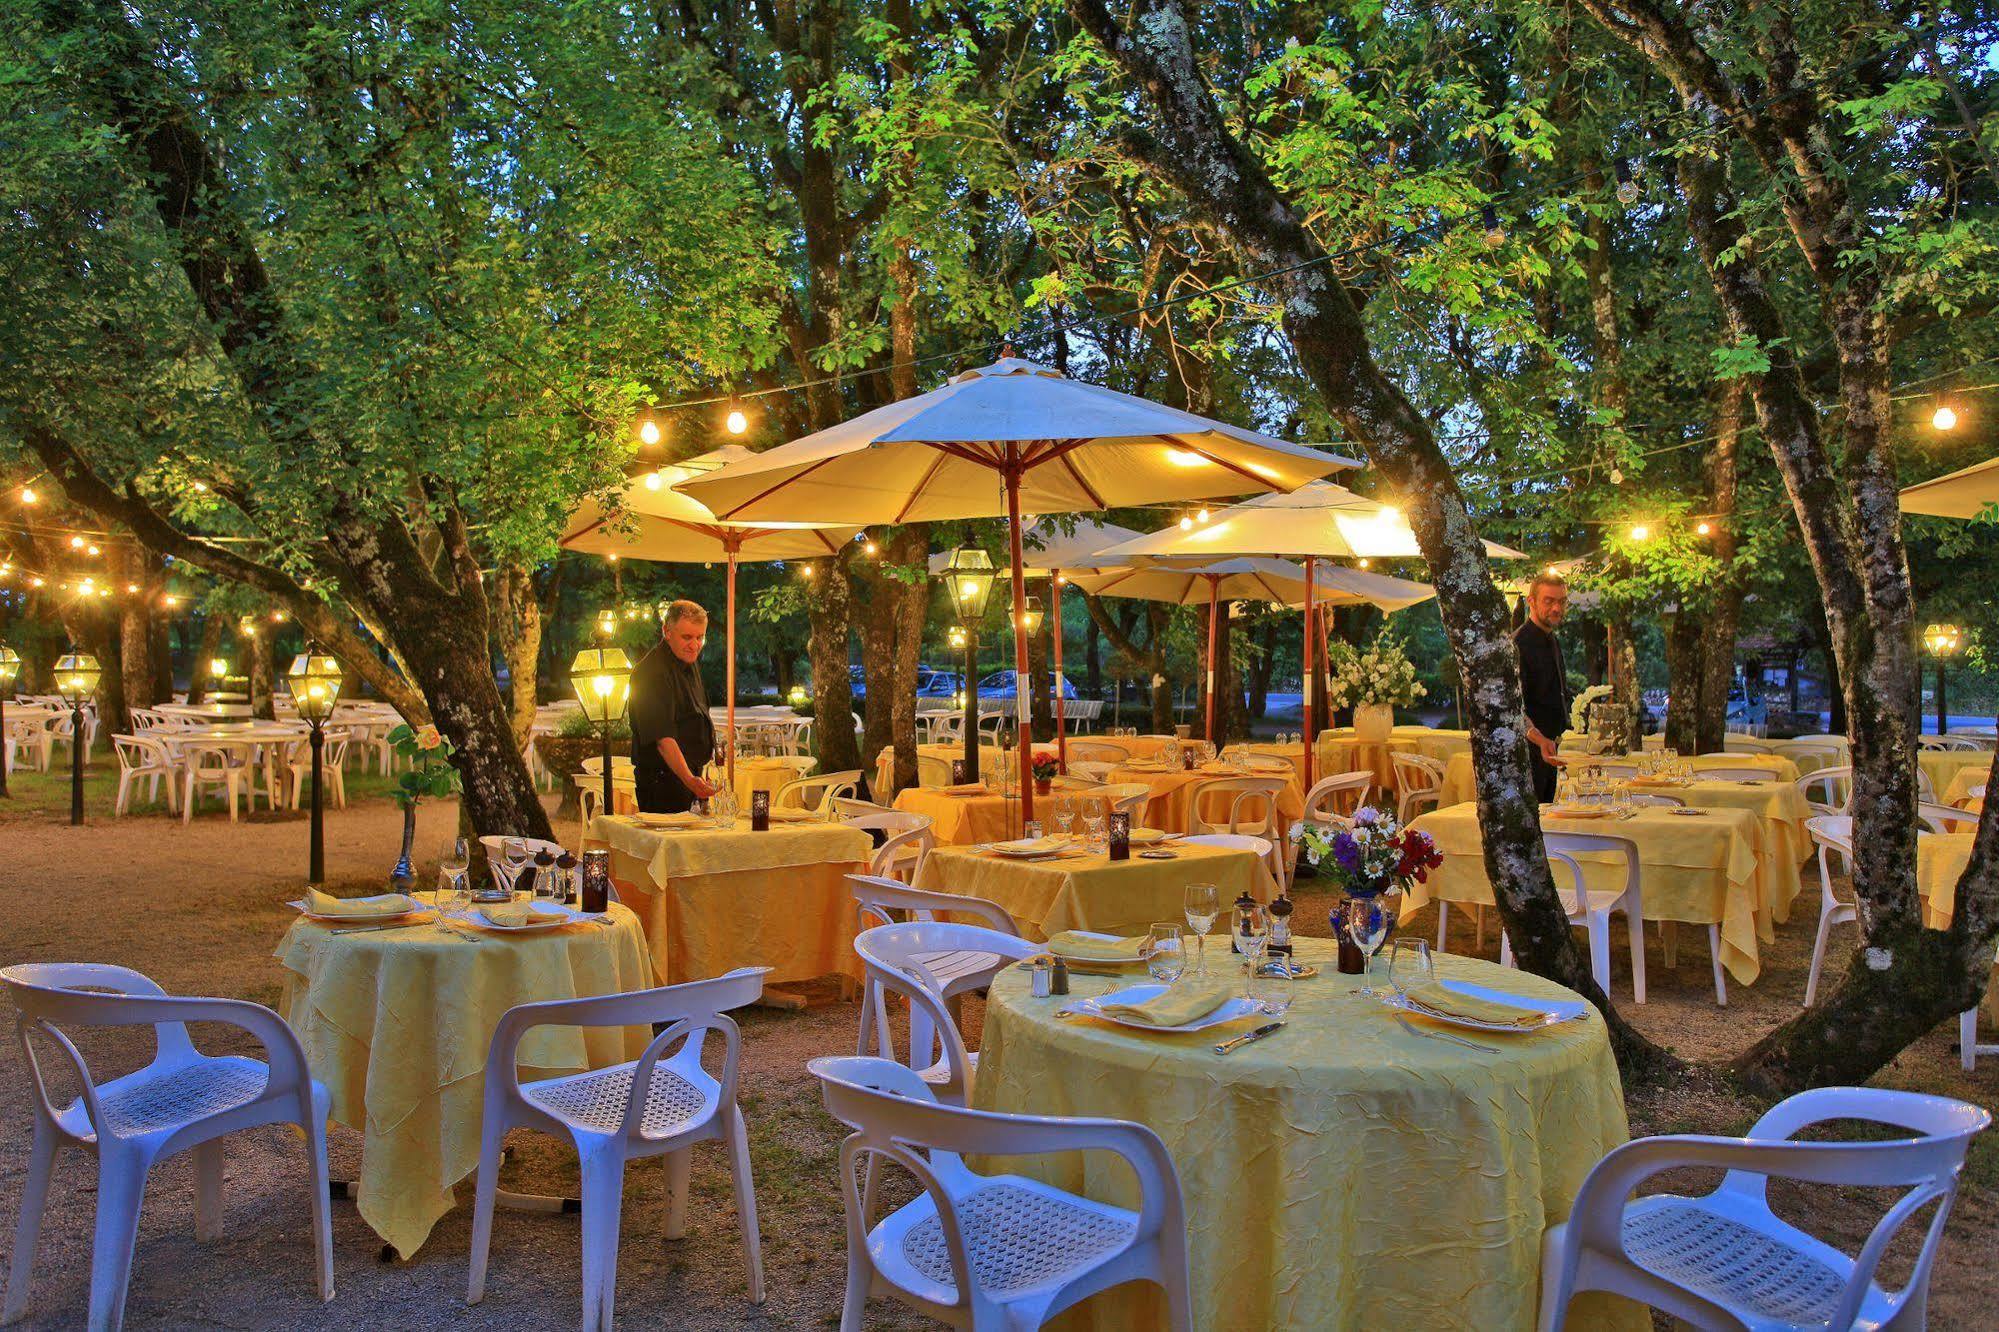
1382, 673
1579, 709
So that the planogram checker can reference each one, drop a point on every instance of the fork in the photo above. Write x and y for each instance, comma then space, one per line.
1415, 1030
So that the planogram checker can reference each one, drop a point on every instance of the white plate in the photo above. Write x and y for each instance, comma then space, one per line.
557, 915
299, 906
1552, 1011
1230, 1010
1019, 851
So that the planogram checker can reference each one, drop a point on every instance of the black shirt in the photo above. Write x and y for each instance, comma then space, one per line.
669, 703
1544, 686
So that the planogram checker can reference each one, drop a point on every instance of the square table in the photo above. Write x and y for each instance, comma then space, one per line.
1701, 870
1085, 890
1782, 844
1943, 765
1458, 786
712, 899
962, 819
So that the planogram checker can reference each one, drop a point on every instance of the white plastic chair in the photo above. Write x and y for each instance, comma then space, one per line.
994, 1251
212, 766
1827, 790
1832, 834
814, 794
1094, 773
1643, 798
1744, 775
1591, 910
885, 901
906, 840
1127, 798
1941, 818
1743, 744
1968, 1046
1726, 1260
1259, 794
1098, 751
182, 1100
900, 959
1420, 780
143, 759
1257, 846
656, 1105
505, 871
332, 761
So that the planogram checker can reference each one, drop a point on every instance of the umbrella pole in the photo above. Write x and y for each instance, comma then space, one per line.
1214, 625
730, 671
1055, 618
1022, 693
1309, 562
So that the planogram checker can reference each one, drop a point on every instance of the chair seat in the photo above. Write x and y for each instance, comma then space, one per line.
1770, 1281
939, 1073
952, 965
595, 1102
1020, 1237
148, 1101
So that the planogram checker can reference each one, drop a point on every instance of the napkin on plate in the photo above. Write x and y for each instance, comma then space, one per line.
1175, 1007
512, 915
1030, 845
793, 815
1147, 836
1438, 999
964, 788
685, 819
1222, 769
358, 908
1578, 811
1082, 946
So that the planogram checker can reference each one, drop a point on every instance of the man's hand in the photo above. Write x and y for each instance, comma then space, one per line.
701, 789
1549, 755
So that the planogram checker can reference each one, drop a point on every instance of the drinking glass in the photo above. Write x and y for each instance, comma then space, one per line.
513, 855
1271, 986
1093, 826
1252, 932
1366, 919
452, 861
1202, 904
1409, 964
1065, 815
1167, 957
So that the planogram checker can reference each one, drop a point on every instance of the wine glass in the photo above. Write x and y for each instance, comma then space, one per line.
513, 855
1252, 933
1271, 987
1409, 964
1093, 826
1167, 958
1366, 920
1201, 905
452, 861
1065, 815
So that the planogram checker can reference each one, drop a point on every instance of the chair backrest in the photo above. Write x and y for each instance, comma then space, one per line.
1098, 751
1946, 818
813, 793
135, 751
907, 838
880, 898
1415, 772
1334, 799
505, 871
1833, 784
1743, 744
850, 807
1735, 775
1127, 798
895, 1115
1832, 835
1090, 770
1563, 848
893, 956
1257, 793
1266, 763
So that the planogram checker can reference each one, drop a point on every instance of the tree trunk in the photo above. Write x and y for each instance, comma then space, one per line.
1260, 670
262, 671
1093, 665
1041, 675
211, 647
909, 547
1623, 661
517, 624
830, 609
1686, 669
135, 640
1190, 145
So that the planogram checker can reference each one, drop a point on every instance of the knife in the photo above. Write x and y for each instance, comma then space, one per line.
1248, 1036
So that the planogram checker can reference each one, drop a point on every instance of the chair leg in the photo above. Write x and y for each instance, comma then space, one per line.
187, 800
1818, 957
121, 1191
1714, 951
1443, 923
677, 1164
854, 1304
208, 1191
124, 787
1635, 928
746, 1202
1967, 1042
322, 1199
603, 1198
28, 1230
1598, 926
1478, 927
484, 1195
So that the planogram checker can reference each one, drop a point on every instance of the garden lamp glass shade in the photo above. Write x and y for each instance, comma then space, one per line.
10, 668
602, 679
77, 674
1942, 640
1030, 615
219, 668
969, 577
314, 678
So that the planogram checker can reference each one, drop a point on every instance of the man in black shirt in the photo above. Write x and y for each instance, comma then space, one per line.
672, 737
1544, 686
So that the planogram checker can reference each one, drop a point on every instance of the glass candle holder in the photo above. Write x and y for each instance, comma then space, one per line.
1119, 832
759, 811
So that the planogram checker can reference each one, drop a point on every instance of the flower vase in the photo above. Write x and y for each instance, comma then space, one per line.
403, 877
1353, 962
1043, 785
1372, 722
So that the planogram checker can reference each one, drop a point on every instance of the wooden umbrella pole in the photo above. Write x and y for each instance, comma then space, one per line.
1023, 701
1214, 624
1309, 637
730, 671
1055, 619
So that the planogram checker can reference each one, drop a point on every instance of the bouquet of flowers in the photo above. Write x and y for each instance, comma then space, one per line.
1045, 767
1376, 855
430, 772
1579, 709
1382, 673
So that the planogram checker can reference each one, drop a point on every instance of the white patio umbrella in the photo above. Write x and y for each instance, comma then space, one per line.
650, 520
1008, 438
1251, 579
1317, 521
1049, 551
1961, 494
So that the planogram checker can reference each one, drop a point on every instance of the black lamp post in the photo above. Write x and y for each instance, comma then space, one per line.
10, 670
1943, 642
77, 674
968, 576
602, 679
314, 678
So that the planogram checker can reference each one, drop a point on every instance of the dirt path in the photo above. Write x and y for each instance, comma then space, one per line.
200, 909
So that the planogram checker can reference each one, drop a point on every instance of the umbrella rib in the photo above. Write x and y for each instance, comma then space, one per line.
766, 494
587, 530
1243, 472
902, 514
1070, 463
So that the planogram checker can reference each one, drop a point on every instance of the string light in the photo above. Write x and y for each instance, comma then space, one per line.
649, 431
1627, 188
654, 480
131, 588
92, 550
805, 571
1201, 517
35, 582
28, 495
1944, 418
170, 601
76, 543
1703, 528
1365, 562
867, 547
1186, 523
1640, 532
736, 421
201, 487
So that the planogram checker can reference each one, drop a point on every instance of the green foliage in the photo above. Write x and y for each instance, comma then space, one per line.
429, 756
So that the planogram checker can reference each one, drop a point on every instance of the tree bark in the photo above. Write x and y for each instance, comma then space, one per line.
1686, 668
1623, 670
830, 609
210, 647
262, 671
517, 624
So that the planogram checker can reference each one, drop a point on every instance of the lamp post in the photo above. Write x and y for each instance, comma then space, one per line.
10, 670
602, 679
1943, 642
968, 576
314, 679
77, 674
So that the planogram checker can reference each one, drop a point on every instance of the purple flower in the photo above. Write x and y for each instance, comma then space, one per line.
1367, 816
1346, 852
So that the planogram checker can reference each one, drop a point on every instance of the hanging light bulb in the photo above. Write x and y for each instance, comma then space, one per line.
1617, 476
648, 430
805, 571
1703, 528
201, 487
1945, 417
736, 420
28, 495
1627, 188
170, 602
131, 587
76, 543
1201, 517
92, 550
1639, 532
35, 582
1364, 562
1186, 523
1495, 235
867, 547
612, 557
654, 481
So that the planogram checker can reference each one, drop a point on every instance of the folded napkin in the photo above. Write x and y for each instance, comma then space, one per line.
1031, 844
514, 915
1178, 1005
1653, 781
790, 815
1222, 769
358, 908
1433, 996
964, 788
685, 819
1146, 836
1080, 945
1578, 811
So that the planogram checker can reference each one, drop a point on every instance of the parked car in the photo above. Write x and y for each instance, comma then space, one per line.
1000, 684
930, 682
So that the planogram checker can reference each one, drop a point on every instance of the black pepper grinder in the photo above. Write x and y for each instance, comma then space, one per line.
1280, 926
1058, 976
565, 868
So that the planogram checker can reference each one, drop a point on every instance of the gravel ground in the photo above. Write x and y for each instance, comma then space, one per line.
199, 908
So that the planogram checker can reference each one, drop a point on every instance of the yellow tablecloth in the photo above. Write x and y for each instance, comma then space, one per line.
1956, 788
768, 774
1940, 862
1294, 754
1336, 753
1702, 871
1458, 773
1172, 804
933, 764
1779, 836
1342, 1174
1943, 765
1958, 793
397, 1025
1087, 891
710, 901
960, 820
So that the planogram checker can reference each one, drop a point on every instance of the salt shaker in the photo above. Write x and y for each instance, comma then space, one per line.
1037, 977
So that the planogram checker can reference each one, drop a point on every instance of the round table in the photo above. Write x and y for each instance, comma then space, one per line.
1343, 1173
397, 1022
